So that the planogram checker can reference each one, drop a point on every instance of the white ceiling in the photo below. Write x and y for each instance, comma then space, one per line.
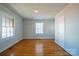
45, 10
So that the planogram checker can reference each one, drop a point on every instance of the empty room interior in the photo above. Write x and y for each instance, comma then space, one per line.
39, 29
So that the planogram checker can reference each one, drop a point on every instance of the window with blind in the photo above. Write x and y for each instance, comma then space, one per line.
7, 27
39, 28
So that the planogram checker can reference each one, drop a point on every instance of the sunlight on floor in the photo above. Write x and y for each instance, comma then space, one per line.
39, 49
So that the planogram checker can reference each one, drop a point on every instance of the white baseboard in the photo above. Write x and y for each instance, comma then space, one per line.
37, 38
70, 51
10, 45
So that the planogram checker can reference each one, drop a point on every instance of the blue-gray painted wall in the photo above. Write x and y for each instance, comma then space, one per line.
71, 29
7, 42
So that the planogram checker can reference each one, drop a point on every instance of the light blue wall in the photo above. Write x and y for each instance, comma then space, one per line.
59, 29
7, 42
71, 29
29, 29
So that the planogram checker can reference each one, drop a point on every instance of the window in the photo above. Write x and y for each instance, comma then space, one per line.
39, 28
7, 27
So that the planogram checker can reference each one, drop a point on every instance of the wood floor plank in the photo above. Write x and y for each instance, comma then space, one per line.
35, 47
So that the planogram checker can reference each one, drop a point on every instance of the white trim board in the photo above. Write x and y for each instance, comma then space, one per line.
10, 45
38, 38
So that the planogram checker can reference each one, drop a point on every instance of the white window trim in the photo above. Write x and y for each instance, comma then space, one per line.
11, 33
39, 28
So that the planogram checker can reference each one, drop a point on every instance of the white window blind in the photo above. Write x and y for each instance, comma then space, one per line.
7, 27
39, 28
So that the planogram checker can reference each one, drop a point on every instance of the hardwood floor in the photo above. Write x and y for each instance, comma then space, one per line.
35, 47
